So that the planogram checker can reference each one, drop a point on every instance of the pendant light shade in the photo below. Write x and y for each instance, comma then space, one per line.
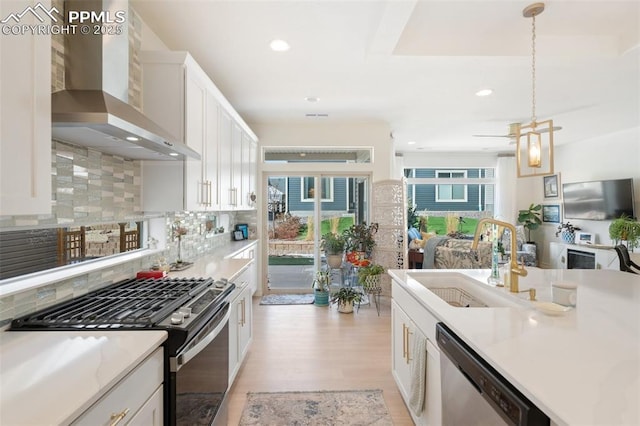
534, 141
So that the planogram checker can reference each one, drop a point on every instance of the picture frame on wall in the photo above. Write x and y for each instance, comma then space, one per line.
551, 185
551, 213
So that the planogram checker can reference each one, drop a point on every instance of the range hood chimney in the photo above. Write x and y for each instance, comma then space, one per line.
93, 110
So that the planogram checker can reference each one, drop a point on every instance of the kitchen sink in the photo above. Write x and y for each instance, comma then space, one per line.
460, 290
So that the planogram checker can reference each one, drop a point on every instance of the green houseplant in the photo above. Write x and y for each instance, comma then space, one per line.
370, 275
530, 219
333, 246
360, 237
627, 229
321, 286
346, 297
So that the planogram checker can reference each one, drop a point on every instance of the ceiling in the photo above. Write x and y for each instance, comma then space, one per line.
417, 64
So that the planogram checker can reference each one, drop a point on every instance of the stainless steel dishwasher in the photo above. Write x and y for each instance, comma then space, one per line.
473, 393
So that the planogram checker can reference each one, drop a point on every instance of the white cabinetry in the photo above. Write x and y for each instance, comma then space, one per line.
136, 400
25, 121
605, 257
240, 324
180, 95
410, 321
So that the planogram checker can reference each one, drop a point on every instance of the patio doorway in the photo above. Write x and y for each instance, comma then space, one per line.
300, 209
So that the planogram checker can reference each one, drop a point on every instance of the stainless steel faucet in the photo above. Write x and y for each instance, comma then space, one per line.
515, 270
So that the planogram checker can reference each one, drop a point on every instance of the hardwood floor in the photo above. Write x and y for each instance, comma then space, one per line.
305, 348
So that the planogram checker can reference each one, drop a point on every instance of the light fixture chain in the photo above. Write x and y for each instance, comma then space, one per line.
533, 69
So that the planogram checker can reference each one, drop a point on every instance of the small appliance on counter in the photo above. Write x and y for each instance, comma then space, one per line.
241, 232
151, 274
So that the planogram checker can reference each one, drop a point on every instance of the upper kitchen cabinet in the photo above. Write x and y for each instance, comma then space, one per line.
25, 117
179, 94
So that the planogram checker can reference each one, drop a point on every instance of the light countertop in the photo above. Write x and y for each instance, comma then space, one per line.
219, 264
51, 377
580, 368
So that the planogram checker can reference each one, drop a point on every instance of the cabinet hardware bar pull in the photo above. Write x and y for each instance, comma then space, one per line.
409, 359
404, 341
210, 194
116, 417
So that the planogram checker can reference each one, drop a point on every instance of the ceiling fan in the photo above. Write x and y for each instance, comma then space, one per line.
513, 130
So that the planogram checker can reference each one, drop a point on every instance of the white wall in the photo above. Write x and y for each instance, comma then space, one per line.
615, 156
328, 134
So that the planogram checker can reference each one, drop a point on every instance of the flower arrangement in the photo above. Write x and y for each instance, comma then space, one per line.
357, 259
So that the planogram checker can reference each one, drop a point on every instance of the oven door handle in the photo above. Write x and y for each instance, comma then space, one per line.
186, 356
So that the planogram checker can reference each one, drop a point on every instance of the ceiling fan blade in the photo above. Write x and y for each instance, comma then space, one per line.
493, 136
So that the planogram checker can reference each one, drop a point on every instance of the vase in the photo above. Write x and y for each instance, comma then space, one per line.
334, 261
568, 237
345, 307
321, 298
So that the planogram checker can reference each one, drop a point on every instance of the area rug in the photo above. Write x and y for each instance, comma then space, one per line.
287, 299
362, 407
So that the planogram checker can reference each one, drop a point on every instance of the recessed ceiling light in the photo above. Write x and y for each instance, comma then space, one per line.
173, 154
132, 138
411, 143
484, 92
312, 99
279, 45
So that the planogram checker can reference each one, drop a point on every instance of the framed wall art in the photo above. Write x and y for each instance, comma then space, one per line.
551, 185
551, 213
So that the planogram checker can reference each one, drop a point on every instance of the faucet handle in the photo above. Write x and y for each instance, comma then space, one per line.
532, 293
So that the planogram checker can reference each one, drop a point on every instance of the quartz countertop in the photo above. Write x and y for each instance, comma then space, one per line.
220, 263
580, 368
51, 377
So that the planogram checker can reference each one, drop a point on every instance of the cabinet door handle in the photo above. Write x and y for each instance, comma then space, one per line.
404, 341
210, 196
244, 312
116, 417
409, 359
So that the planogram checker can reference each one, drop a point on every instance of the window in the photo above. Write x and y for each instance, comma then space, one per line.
308, 189
451, 189
451, 192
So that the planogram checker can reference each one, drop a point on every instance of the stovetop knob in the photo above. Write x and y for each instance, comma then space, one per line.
177, 318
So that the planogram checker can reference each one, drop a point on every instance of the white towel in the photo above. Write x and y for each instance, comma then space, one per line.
418, 373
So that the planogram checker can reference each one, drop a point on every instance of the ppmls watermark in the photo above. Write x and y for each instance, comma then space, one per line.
104, 22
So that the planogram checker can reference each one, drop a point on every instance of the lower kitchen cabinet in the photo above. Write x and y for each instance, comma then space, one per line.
410, 321
240, 325
135, 400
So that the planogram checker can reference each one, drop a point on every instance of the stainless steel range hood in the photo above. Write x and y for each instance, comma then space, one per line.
94, 111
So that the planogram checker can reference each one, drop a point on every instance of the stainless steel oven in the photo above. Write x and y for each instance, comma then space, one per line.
195, 314
199, 376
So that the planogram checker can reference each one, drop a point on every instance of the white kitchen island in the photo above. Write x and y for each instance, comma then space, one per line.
54, 377
580, 368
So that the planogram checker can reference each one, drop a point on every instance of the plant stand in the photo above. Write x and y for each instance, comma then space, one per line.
372, 289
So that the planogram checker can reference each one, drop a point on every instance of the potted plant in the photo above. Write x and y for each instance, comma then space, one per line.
567, 232
333, 246
321, 285
530, 219
360, 238
627, 229
346, 297
369, 276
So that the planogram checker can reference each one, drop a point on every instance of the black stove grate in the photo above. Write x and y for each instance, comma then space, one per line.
128, 304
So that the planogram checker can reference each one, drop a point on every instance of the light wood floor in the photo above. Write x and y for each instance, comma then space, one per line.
306, 348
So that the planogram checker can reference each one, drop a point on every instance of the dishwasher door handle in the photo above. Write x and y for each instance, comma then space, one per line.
470, 379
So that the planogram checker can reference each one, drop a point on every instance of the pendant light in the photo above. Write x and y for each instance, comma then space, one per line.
534, 141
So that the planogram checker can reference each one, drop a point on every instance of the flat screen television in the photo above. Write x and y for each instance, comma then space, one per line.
598, 200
